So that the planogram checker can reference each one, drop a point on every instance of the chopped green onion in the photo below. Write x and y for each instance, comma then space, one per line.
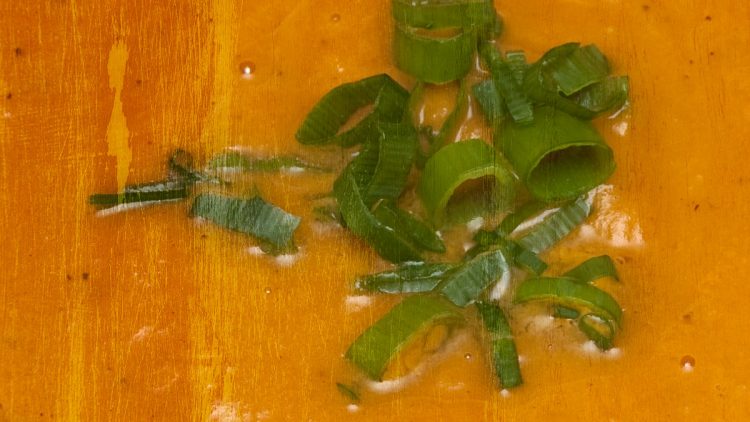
570, 293
516, 254
145, 193
410, 277
431, 59
517, 63
349, 392
594, 269
583, 67
558, 156
597, 329
610, 94
390, 244
556, 226
253, 216
521, 214
408, 322
382, 167
456, 164
444, 14
324, 122
490, 101
504, 355
466, 283
404, 222
453, 121
238, 161
518, 104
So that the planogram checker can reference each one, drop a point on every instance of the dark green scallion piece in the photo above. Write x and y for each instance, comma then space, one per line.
556, 226
434, 59
465, 284
149, 193
253, 216
503, 347
324, 122
519, 106
410, 277
594, 269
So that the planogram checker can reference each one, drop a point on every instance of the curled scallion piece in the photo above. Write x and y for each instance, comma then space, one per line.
502, 345
407, 334
432, 58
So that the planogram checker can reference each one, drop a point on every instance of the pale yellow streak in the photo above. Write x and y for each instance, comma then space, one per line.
210, 323
117, 129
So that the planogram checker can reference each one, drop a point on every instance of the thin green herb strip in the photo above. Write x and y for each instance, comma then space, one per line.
610, 94
253, 216
452, 122
570, 293
504, 354
374, 349
466, 283
490, 101
594, 269
146, 193
434, 59
238, 161
328, 116
411, 277
556, 226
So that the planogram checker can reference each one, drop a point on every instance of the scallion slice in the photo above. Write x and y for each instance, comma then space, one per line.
583, 67
456, 164
406, 326
383, 167
328, 116
434, 59
504, 354
390, 244
517, 63
610, 94
253, 216
597, 329
452, 122
570, 293
521, 214
404, 222
490, 101
465, 284
146, 193
556, 226
519, 106
558, 156
594, 269
410, 277
565, 313
438, 14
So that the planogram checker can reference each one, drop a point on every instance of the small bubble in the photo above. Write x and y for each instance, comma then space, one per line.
267, 290
688, 363
247, 70
335, 17
467, 356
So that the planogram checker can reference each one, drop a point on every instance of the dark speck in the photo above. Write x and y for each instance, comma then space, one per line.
711, 53
19, 52
696, 207
709, 18
204, 236
138, 81
646, 7
691, 61
9, 96
85, 276
68, 277
687, 318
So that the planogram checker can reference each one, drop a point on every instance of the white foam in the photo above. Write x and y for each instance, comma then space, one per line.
287, 260
687, 367
255, 251
504, 393
352, 408
357, 303
143, 333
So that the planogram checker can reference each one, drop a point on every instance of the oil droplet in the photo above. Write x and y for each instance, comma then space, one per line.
335, 17
268, 290
467, 356
688, 363
247, 70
